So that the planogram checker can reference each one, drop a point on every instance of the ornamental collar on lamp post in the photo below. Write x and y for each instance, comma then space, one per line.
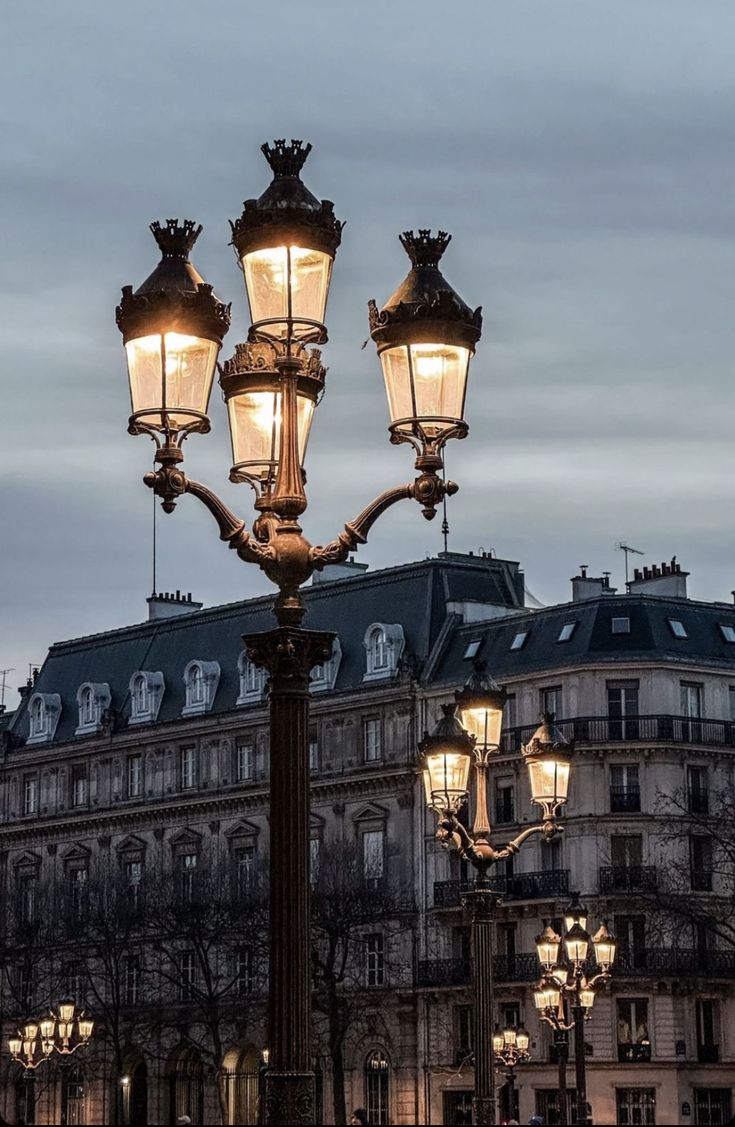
447, 735
425, 301
548, 738
175, 297
287, 212
481, 690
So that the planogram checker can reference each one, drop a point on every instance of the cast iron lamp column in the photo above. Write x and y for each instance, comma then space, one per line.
173, 327
448, 755
566, 979
511, 1049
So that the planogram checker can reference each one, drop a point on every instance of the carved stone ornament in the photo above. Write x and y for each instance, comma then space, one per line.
289, 653
289, 1097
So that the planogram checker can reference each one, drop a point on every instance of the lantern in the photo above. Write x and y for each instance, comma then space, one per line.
575, 913
172, 328
253, 392
47, 1028
66, 1012
15, 1044
286, 242
577, 942
86, 1025
498, 1041
586, 996
480, 703
548, 756
447, 755
522, 1041
605, 946
547, 947
426, 336
547, 996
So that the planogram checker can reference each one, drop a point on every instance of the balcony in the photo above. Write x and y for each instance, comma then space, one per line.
632, 729
456, 972
628, 878
523, 886
634, 1053
674, 962
625, 800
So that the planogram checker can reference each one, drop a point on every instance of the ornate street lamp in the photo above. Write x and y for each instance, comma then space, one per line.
567, 982
63, 1033
510, 1048
173, 326
448, 754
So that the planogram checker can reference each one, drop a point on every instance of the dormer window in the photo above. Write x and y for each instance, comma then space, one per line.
384, 644
201, 679
519, 640
146, 691
324, 675
93, 700
252, 680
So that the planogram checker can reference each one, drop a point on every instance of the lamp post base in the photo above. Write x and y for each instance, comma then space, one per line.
289, 1098
483, 1111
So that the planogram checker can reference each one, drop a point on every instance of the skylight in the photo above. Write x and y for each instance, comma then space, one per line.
473, 648
566, 631
520, 640
678, 629
620, 625
728, 631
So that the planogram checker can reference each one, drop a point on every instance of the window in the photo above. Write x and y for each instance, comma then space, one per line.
701, 855
708, 1049
135, 776
139, 695
38, 717
313, 753
620, 625
244, 858
374, 965
26, 886
187, 876
188, 768
548, 1106
622, 710
697, 790
463, 1033
187, 976
519, 640
44, 710
379, 649
510, 713
324, 675
626, 850
633, 1041
552, 857
77, 878
731, 695
712, 1105
146, 691
79, 785
510, 1015
677, 627
244, 977
691, 696
550, 700
133, 870
252, 681
245, 762
384, 644
75, 982
728, 631
86, 707
377, 1074
472, 650
636, 1105
566, 631
504, 801
131, 981
315, 847
372, 740
630, 932
625, 791
372, 854
93, 700
24, 985
201, 679
30, 794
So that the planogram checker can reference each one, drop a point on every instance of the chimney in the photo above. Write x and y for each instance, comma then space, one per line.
585, 586
350, 569
170, 605
664, 581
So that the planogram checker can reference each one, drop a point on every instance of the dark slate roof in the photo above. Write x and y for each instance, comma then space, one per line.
414, 595
650, 637
5, 719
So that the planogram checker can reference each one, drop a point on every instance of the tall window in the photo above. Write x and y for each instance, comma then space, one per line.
625, 789
30, 794
463, 1030
550, 700
75, 982
622, 710
27, 887
626, 851
701, 855
630, 932
195, 685
135, 776
187, 876
373, 741
510, 712
377, 1078
504, 804
86, 707
697, 790
373, 844
73, 1095
79, 785
131, 980
139, 696
691, 699
77, 878
712, 1105
633, 1040
133, 869
244, 976
244, 868
38, 722
245, 762
315, 848
313, 752
188, 768
374, 963
708, 1049
187, 976
636, 1105
379, 649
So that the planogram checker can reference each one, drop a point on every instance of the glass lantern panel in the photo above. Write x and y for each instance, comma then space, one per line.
549, 780
425, 382
523, 1040
268, 279
483, 723
189, 369
255, 430
576, 949
604, 952
498, 1042
548, 952
448, 773
587, 998
397, 378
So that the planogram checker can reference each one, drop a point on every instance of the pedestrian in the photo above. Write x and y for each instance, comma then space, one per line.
359, 1118
183, 1119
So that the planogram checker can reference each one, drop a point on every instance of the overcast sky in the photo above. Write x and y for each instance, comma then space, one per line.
582, 155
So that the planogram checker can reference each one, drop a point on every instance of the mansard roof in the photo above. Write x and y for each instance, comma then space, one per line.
415, 595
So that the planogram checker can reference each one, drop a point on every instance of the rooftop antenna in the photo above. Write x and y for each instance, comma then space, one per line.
445, 522
3, 686
625, 548
154, 546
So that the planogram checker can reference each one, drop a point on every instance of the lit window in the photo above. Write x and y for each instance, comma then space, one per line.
677, 628
620, 626
519, 640
472, 650
566, 631
728, 631
377, 1088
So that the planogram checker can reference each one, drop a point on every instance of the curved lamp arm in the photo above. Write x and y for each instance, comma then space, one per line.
481, 852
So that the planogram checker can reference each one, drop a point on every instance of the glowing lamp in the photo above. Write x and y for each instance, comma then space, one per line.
86, 1026
498, 1042
47, 1028
586, 997
447, 757
548, 757
509, 1036
577, 942
15, 1044
522, 1040
30, 1031
605, 946
286, 242
480, 704
66, 1012
172, 328
575, 913
547, 947
547, 996
426, 336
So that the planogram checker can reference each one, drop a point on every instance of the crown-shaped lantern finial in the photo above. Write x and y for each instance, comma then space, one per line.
425, 249
176, 240
286, 160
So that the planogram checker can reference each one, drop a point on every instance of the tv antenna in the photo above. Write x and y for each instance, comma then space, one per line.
628, 550
3, 686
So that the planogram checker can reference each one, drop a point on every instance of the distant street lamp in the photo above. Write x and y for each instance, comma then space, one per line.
172, 328
449, 753
510, 1047
567, 981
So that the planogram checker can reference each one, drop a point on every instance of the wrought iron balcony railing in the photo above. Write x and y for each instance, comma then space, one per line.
522, 886
625, 800
631, 1053
628, 878
658, 728
456, 972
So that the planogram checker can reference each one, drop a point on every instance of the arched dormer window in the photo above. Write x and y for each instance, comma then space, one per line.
93, 700
44, 710
201, 679
252, 680
146, 691
324, 675
384, 644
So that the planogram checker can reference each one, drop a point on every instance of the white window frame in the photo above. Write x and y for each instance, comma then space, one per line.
79, 785
44, 710
375, 959
252, 681
373, 853
134, 775
201, 679
188, 767
372, 739
620, 624
188, 975
93, 699
146, 693
31, 790
245, 762
384, 644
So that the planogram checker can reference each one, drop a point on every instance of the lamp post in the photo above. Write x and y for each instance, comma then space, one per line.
510, 1047
172, 328
449, 752
567, 983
